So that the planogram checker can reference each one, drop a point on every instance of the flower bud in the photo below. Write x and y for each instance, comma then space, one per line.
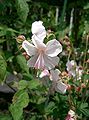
27, 57
24, 53
20, 38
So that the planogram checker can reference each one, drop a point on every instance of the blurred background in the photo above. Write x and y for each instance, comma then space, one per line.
64, 17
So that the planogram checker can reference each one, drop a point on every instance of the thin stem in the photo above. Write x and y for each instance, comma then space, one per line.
84, 62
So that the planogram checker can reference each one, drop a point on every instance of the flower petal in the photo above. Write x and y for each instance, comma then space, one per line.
54, 75
40, 62
44, 73
50, 62
53, 48
39, 30
71, 113
61, 87
37, 27
30, 49
38, 43
41, 35
31, 62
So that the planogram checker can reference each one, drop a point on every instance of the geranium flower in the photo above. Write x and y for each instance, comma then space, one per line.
71, 115
74, 70
38, 30
71, 68
58, 85
42, 56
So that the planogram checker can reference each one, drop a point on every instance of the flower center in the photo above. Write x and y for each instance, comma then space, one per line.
41, 51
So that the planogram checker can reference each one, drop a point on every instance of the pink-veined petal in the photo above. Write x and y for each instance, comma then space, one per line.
61, 87
40, 62
38, 43
30, 49
53, 48
44, 73
54, 75
31, 62
50, 62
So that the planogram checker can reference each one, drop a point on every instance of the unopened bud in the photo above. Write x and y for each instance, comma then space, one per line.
87, 61
24, 53
83, 85
20, 38
27, 57
78, 89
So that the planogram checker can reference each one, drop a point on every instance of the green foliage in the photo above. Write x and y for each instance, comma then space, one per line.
22, 63
5, 117
20, 101
84, 109
22, 9
3, 66
32, 84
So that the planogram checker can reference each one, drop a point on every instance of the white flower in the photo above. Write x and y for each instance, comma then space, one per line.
42, 56
61, 87
74, 70
54, 75
44, 73
71, 115
79, 73
38, 30
71, 68
58, 85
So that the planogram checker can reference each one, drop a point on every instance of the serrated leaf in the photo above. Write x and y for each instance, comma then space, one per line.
22, 84
41, 100
85, 112
33, 84
83, 105
2, 69
22, 9
28, 76
50, 107
20, 101
22, 62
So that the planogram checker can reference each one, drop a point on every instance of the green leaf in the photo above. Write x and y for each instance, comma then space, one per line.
41, 100
2, 69
50, 108
85, 112
84, 109
5, 117
2, 40
28, 76
22, 84
86, 77
20, 101
22, 9
33, 118
33, 84
83, 105
86, 6
22, 63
